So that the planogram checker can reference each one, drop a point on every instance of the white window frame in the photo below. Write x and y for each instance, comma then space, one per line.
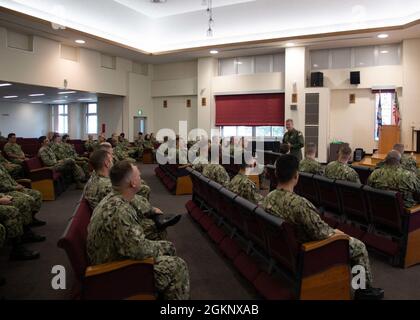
91, 115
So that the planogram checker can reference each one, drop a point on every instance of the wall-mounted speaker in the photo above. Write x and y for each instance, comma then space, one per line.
355, 77
317, 79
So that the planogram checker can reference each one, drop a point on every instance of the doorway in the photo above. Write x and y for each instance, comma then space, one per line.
140, 125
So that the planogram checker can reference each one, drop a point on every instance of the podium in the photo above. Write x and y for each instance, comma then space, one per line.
388, 137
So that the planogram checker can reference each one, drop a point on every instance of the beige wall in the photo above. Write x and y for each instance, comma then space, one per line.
411, 90
110, 113
44, 67
261, 82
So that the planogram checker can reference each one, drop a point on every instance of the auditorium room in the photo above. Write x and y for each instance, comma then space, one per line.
209, 150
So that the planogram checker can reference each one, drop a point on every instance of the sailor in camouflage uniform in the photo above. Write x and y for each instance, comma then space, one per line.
90, 144
243, 186
13, 150
392, 176
339, 169
407, 161
309, 226
70, 153
15, 170
115, 233
295, 139
217, 173
99, 186
67, 166
15, 229
144, 188
309, 164
30, 197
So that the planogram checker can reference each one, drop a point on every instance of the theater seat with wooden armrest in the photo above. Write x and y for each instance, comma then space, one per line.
126, 279
25, 182
412, 254
325, 269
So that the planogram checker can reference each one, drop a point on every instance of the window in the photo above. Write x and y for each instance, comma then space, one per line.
63, 118
383, 114
276, 132
252, 64
92, 118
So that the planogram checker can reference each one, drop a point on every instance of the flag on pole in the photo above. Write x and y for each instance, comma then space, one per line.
379, 116
396, 116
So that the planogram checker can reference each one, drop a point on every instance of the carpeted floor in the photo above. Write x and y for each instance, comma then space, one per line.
211, 276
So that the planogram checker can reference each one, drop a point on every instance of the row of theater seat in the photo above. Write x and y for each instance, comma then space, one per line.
174, 178
127, 279
376, 217
264, 248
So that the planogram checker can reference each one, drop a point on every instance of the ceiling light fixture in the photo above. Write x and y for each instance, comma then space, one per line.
384, 51
214, 51
59, 101
211, 21
5, 84
290, 44
80, 41
383, 36
36, 102
10, 97
37, 95
84, 99
66, 92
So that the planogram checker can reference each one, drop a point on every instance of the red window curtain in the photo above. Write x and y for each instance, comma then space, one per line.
250, 110
383, 91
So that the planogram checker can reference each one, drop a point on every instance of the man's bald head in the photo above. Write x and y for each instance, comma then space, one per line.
393, 158
399, 147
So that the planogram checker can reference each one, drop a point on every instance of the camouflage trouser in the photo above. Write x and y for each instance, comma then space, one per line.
171, 274
69, 166
2, 236
11, 221
16, 161
36, 196
15, 170
144, 191
23, 203
84, 164
150, 230
359, 256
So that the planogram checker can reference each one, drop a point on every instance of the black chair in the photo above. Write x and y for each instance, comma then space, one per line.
363, 172
306, 188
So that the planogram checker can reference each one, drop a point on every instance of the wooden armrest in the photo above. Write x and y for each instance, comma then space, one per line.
308, 246
412, 210
111, 266
23, 181
40, 169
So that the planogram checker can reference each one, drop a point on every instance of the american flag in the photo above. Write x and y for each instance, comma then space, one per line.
379, 116
396, 116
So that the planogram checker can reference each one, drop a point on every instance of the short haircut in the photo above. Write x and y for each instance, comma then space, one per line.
66, 136
284, 148
56, 135
393, 157
289, 120
120, 173
11, 135
310, 148
41, 139
97, 159
286, 167
345, 151
141, 133
399, 147
105, 146
122, 134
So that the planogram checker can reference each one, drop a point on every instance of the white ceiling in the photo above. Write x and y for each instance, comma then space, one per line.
174, 7
177, 25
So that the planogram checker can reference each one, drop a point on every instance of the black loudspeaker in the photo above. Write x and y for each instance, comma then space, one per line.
359, 154
355, 77
317, 79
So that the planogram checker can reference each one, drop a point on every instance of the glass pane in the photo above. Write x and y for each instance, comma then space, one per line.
263, 64
245, 131
62, 124
341, 58
227, 67
66, 109
92, 108
263, 131
229, 131
60, 108
245, 65
278, 62
92, 124
364, 56
320, 59
277, 132
389, 55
